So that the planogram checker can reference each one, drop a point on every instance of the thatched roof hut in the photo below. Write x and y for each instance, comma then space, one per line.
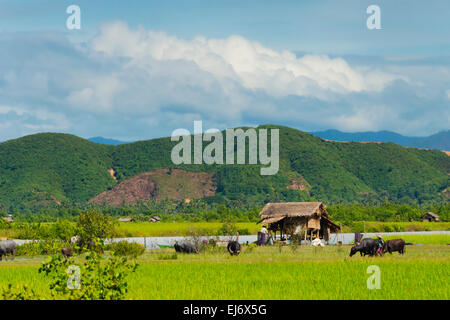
126, 219
8, 219
296, 217
430, 217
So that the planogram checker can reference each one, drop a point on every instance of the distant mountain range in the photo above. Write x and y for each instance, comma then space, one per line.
440, 141
108, 141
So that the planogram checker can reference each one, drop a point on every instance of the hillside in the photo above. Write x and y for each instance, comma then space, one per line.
51, 169
439, 141
158, 185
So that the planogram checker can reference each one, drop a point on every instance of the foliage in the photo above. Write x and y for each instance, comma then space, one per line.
56, 171
97, 280
267, 273
125, 248
18, 292
163, 256
44, 247
93, 224
228, 229
61, 230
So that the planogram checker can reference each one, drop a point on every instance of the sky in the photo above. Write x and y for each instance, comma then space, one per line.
141, 69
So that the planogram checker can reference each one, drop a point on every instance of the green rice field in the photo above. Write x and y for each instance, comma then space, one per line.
165, 229
272, 272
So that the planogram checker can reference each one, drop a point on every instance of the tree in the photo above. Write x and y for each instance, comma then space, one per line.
93, 224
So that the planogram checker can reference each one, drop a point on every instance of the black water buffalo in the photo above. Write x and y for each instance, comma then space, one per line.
185, 247
7, 246
234, 247
66, 252
394, 245
367, 246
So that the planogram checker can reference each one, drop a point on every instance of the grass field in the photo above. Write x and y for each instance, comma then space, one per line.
423, 239
287, 272
166, 229
163, 229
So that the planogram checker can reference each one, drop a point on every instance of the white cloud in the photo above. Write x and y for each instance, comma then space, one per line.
133, 84
26, 120
249, 63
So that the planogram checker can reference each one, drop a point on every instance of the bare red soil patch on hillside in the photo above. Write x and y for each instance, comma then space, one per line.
156, 185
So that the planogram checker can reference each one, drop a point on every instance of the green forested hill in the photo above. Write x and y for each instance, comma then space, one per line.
43, 169
47, 169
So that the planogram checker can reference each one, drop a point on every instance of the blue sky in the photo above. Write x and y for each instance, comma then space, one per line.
141, 69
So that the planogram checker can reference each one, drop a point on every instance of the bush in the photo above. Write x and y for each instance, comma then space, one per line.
92, 280
125, 248
19, 292
173, 256
228, 229
37, 248
94, 224
244, 232
249, 248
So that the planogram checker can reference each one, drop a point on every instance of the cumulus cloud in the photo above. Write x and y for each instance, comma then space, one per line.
249, 63
134, 84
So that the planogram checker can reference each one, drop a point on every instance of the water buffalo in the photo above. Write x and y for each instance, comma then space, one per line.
185, 247
234, 247
367, 246
7, 246
66, 252
394, 245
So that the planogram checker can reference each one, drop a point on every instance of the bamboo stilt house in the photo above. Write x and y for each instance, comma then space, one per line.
308, 219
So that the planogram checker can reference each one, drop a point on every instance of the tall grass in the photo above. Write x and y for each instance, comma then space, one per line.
165, 229
287, 272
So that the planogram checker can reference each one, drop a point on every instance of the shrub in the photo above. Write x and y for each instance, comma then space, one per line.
250, 247
19, 292
172, 256
244, 232
92, 280
227, 229
94, 224
125, 248
37, 248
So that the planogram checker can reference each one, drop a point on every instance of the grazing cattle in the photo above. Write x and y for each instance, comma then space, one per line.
234, 247
66, 252
367, 246
6, 247
185, 247
394, 245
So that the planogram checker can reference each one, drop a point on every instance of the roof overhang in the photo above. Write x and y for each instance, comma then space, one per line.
271, 220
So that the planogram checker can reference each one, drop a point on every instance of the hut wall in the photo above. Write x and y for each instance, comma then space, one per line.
314, 223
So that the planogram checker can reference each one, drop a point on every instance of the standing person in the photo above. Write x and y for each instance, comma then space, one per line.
380, 244
263, 231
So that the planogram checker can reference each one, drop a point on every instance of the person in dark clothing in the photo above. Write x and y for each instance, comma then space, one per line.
380, 245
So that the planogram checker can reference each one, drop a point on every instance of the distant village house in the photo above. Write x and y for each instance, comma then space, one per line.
126, 220
8, 219
430, 217
154, 219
